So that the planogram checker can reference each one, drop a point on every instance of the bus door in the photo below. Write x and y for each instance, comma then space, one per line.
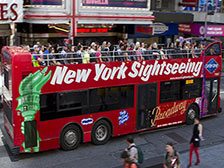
211, 93
146, 102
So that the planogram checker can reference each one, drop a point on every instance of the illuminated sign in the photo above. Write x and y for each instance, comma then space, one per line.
43, 2
189, 81
199, 29
116, 3
144, 29
93, 30
190, 3
11, 11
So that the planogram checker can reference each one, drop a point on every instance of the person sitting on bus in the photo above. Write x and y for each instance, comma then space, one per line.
131, 51
98, 54
162, 54
36, 57
155, 51
64, 56
52, 57
92, 52
138, 52
86, 56
79, 54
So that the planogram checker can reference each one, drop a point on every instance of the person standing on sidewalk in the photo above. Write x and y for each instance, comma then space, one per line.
172, 158
195, 141
132, 160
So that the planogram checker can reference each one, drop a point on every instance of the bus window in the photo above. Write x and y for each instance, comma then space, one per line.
191, 88
72, 103
169, 91
6, 78
113, 98
72, 100
48, 106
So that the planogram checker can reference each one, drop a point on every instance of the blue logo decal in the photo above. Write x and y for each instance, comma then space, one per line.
87, 121
123, 117
211, 66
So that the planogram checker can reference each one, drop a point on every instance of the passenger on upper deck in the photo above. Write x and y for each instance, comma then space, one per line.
85, 56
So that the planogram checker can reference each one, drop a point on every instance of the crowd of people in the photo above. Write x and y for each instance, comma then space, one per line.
44, 55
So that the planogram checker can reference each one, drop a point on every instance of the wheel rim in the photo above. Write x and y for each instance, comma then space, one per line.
101, 133
70, 137
191, 114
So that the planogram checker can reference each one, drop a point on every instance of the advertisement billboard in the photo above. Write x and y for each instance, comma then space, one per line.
43, 2
200, 30
116, 3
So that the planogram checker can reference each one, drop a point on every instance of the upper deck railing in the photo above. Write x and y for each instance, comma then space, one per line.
110, 56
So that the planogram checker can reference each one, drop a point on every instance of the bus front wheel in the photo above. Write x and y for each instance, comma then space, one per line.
191, 114
70, 137
101, 132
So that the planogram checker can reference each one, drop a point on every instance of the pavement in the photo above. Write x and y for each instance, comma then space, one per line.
152, 144
211, 157
211, 150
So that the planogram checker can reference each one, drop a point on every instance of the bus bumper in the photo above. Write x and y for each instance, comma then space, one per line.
220, 110
15, 150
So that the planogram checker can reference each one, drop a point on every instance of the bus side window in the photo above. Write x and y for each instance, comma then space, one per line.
111, 98
48, 106
72, 103
6, 78
191, 88
169, 91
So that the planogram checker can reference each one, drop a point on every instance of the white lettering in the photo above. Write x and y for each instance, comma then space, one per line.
175, 68
156, 68
181, 68
70, 74
147, 72
114, 71
162, 67
82, 75
99, 69
58, 75
142, 70
197, 69
168, 69
106, 73
122, 70
134, 72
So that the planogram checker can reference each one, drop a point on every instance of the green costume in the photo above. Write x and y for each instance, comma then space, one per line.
29, 100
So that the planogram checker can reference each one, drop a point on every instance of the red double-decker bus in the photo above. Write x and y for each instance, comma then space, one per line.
48, 107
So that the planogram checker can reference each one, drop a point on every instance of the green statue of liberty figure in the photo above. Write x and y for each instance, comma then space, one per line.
29, 102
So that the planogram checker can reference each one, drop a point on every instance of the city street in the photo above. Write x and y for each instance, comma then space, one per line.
108, 156
75, 71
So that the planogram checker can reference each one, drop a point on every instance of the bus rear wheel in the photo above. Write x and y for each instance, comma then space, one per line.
101, 132
191, 114
70, 137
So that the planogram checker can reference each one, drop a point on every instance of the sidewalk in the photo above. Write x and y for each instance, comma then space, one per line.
211, 150
211, 157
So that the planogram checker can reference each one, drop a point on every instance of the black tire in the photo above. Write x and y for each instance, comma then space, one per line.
191, 113
70, 137
101, 132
